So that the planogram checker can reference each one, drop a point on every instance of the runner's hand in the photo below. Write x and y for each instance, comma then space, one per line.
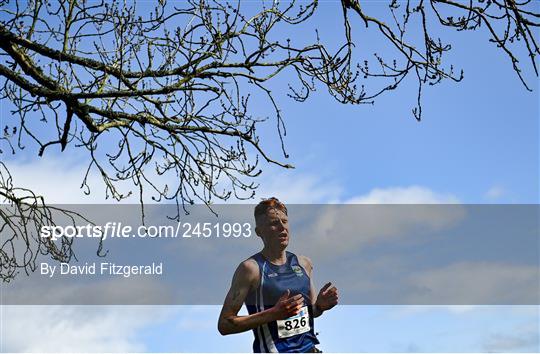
287, 306
327, 298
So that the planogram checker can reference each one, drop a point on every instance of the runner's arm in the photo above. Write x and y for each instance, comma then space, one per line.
328, 294
308, 267
245, 278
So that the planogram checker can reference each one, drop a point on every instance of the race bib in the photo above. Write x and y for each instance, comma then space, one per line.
294, 325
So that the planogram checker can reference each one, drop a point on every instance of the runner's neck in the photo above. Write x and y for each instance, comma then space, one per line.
276, 257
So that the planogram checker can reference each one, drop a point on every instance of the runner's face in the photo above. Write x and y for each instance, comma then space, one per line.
274, 228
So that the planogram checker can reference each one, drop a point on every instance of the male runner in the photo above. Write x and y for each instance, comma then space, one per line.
277, 288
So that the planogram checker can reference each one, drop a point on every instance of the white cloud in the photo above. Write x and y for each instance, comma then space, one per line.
477, 283
340, 229
404, 195
455, 309
297, 188
57, 179
459, 309
76, 328
368, 221
494, 193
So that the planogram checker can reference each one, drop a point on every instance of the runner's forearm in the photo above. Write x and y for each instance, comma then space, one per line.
238, 324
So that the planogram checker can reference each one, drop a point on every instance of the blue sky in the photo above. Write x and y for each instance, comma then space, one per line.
477, 143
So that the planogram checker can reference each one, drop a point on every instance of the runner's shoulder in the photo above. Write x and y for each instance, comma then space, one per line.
248, 270
306, 263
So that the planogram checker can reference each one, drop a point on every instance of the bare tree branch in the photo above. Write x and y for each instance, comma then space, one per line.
161, 99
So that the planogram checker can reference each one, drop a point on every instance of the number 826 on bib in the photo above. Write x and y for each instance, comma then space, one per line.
294, 325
